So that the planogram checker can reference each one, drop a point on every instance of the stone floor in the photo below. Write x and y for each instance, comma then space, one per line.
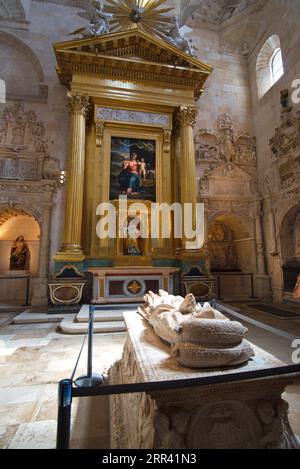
34, 357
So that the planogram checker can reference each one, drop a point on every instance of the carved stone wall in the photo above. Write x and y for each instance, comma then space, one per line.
28, 180
281, 199
216, 147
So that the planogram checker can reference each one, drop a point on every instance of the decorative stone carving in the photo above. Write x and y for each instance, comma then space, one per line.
21, 130
245, 149
24, 147
287, 136
206, 145
106, 114
220, 146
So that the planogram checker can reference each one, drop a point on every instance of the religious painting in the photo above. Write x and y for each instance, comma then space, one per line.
133, 169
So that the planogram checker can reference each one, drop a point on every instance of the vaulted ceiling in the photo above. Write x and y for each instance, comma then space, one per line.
219, 11
209, 11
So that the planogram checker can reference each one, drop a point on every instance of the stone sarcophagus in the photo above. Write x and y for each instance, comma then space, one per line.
245, 414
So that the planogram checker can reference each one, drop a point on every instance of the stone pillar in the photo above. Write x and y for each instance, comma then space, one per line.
272, 226
261, 268
188, 181
79, 106
40, 288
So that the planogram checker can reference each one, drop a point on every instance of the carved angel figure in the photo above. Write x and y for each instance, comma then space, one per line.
177, 35
98, 20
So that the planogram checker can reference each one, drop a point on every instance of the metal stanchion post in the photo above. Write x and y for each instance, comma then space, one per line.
64, 414
90, 379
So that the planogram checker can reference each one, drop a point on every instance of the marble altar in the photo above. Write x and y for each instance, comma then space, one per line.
246, 414
129, 285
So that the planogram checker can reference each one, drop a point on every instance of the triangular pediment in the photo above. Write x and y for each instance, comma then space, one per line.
230, 171
135, 44
128, 51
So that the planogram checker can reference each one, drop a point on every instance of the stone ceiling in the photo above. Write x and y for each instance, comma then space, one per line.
209, 11
219, 11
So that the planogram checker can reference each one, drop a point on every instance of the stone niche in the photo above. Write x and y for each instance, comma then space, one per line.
28, 180
233, 214
281, 189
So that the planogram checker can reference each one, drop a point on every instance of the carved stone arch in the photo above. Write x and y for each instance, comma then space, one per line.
23, 208
285, 210
12, 9
289, 224
28, 71
245, 219
231, 242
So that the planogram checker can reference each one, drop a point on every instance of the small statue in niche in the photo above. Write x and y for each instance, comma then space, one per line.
19, 255
133, 243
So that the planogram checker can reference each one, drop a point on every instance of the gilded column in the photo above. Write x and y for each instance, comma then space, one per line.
79, 107
186, 118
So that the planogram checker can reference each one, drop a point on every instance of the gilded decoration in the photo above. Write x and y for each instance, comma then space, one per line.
129, 56
186, 116
129, 150
79, 104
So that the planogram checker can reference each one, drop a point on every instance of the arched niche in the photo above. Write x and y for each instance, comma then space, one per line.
264, 76
15, 223
230, 244
290, 235
290, 247
21, 70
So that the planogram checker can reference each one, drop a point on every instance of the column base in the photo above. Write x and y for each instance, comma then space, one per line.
69, 256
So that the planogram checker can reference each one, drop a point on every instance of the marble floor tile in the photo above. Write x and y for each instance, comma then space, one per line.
35, 435
7, 432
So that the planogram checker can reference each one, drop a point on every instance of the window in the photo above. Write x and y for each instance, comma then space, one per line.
276, 66
269, 65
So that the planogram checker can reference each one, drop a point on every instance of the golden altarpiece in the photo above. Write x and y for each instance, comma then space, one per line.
129, 94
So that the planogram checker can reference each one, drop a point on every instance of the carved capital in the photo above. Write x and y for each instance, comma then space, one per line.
79, 104
186, 116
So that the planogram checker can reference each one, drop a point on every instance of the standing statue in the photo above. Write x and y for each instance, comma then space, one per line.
19, 255
177, 34
98, 21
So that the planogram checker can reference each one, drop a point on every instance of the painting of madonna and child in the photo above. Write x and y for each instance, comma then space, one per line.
132, 169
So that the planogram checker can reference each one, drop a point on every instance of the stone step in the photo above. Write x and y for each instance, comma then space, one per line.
69, 325
28, 317
104, 315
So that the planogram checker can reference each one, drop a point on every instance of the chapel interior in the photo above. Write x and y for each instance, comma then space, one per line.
168, 102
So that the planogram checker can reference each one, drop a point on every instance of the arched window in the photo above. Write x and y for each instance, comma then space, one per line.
276, 65
269, 65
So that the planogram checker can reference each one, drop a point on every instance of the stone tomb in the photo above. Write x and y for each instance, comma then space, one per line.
246, 414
